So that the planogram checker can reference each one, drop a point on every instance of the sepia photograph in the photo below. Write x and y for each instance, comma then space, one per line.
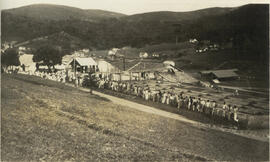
137, 80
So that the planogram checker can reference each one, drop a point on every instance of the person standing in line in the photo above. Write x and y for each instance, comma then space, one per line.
135, 90
140, 92
198, 105
207, 107
128, 88
168, 98
194, 104
147, 95
143, 93
179, 103
214, 108
76, 82
230, 112
172, 99
164, 97
176, 99
235, 116
154, 96
189, 102
186, 102
159, 96
224, 109
202, 106
236, 92
211, 107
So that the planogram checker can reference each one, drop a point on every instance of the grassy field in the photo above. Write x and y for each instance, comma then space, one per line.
46, 120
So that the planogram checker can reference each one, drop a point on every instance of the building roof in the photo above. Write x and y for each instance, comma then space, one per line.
147, 66
211, 71
224, 74
84, 61
120, 65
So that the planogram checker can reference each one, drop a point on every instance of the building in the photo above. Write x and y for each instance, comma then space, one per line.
112, 53
193, 40
84, 65
107, 67
155, 55
143, 54
221, 75
146, 70
169, 63
27, 63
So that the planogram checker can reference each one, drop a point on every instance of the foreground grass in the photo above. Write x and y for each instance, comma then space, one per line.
45, 120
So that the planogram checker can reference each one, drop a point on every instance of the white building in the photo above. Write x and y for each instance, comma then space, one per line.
106, 67
193, 40
168, 63
84, 65
143, 55
26, 60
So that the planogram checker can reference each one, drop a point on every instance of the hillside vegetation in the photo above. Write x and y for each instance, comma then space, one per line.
246, 27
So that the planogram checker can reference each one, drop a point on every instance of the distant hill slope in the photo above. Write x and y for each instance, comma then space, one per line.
58, 12
245, 26
166, 16
66, 41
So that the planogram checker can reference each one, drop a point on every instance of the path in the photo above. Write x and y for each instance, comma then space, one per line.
241, 89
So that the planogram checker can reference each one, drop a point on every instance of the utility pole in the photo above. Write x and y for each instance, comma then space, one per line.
75, 75
177, 30
124, 63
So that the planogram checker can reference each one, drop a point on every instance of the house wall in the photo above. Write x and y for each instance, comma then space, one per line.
106, 67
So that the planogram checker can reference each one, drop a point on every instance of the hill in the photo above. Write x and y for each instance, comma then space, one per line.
246, 27
62, 39
167, 16
59, 12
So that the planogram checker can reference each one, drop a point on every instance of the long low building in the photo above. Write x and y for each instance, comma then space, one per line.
222, 75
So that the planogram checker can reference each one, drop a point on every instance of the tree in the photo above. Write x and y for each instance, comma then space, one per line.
49, 55
10, 57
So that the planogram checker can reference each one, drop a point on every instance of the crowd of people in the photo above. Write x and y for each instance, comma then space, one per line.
178, 100
59, 76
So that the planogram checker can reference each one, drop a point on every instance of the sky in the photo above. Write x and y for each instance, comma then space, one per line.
134, 6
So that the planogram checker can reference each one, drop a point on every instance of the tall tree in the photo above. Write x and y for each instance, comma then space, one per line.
49, 55
10, 57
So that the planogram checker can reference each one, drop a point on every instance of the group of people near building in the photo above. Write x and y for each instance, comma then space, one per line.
179, 100
59, 76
